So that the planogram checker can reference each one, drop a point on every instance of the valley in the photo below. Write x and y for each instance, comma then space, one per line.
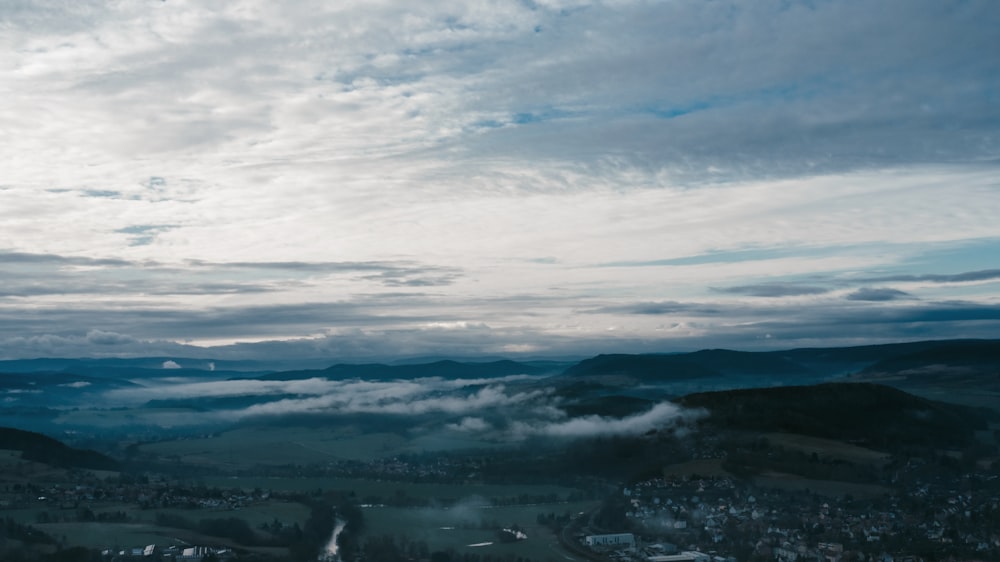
739, 456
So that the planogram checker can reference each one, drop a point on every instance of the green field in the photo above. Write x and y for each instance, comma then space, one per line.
831, 488
109, 535
8, 456
137, 535
15, 469
116, 418
711, 468
266, 512
141, 528
828, 448
296, 445
363, 487
470, 524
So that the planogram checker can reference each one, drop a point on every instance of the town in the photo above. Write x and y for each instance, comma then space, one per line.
728, 520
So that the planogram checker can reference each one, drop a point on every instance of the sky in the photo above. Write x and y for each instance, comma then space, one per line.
383, 179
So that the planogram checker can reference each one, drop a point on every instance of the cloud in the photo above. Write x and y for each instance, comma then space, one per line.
656, 308
77, 384
395, 399
471, 425
877, 294
774, 290
97, 345
280, 173
42, 258
660, 416
351, 395
511, 408
966, 277
865, 323
100, 337
144, 234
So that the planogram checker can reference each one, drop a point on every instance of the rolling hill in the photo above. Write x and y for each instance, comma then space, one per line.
41, 448
872, 415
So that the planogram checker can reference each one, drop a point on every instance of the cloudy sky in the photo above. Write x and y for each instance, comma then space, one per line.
378, 179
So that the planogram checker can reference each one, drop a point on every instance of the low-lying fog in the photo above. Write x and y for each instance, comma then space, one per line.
500, 409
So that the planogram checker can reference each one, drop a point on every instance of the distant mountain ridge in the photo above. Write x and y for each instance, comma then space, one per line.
945, 365
144, 366
657, 366
42, 379
808, 364
444, 369
704, 363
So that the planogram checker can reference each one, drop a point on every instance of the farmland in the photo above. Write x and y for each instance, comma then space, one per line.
361, 488
827, 448
264, 445
466, 527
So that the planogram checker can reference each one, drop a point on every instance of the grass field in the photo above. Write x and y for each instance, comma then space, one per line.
462, 526
365, 487
133, 535
116, 418
831, 488
15, 469
107, 535
289, 445
141, 526
827, 448
286, 512
701, 467
9, 457
472, 522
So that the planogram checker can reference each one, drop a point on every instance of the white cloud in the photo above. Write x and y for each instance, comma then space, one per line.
660, 416
77, 384
487, 409
471, 425
397, 399
480, 137
101, 337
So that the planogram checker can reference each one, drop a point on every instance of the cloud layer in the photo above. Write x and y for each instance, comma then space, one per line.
373, 179
499, 409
